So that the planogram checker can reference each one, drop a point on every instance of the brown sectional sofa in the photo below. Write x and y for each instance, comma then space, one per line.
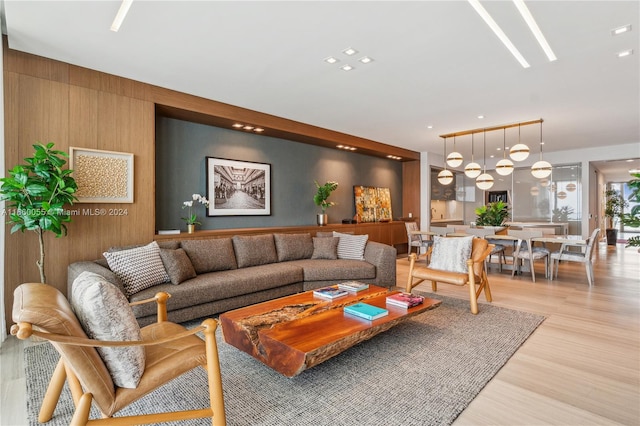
243, 270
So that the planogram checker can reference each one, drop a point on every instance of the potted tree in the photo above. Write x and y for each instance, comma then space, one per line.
633, 218
36, 193
323, 193
614, 208
492, 215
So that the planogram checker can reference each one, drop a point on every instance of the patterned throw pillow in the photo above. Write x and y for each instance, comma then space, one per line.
351, 246
325, 248
138, 268
451, 254
105, 314
177, 264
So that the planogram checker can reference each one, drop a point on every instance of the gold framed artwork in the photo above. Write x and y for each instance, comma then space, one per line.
372, 204
102, 176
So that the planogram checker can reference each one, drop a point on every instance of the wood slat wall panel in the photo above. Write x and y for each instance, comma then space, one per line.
411, 188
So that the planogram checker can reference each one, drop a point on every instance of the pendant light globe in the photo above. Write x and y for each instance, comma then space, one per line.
504, 167
484, 181
454, 159
519, 152
445, 177
472, 170
541, 169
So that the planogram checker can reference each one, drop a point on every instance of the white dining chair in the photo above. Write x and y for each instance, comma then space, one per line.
585, 255
526, 252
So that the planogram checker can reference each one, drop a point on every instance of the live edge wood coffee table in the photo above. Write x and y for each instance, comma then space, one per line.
294, 333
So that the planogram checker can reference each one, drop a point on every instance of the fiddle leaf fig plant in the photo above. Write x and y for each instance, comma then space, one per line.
36, 193
493, 214
324, 191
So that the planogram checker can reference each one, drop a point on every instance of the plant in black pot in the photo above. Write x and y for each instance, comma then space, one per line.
36, 193
493, 214
632, 219
613, 209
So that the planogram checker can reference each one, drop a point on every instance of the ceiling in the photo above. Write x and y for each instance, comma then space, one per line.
435, 63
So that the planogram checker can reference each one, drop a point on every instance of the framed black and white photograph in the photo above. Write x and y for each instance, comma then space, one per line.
237, 188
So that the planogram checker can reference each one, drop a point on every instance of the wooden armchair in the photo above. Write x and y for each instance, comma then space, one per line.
475, 277
170, 351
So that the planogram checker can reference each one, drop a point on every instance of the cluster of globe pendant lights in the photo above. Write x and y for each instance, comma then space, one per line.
504, 167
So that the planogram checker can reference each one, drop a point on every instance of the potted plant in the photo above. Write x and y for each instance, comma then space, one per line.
192, 218
633, 218
36, 193
614, 208
323, 193
561, 214
493, 214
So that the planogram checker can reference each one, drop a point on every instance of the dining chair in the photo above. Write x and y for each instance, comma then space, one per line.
525, 251
163, 351
415, 240
585, 255
498, 248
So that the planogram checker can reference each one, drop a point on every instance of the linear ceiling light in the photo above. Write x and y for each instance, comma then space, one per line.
122, 12
498, 32
533, 26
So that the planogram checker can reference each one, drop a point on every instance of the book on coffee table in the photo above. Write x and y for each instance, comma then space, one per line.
406, 300
353, 286
366, 311
332, 292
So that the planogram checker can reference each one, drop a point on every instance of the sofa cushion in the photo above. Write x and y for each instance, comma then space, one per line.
177, 264
221, 285
138, 268
336, 270
351, 246
325, 248
105, 314
293, 246
254, 250
451, 254
210, 255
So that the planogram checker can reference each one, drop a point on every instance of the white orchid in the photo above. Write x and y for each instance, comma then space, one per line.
192, 218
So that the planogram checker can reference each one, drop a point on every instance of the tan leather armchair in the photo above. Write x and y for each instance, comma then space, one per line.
170, 350
475, 278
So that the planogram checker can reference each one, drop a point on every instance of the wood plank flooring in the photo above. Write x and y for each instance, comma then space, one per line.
580, 367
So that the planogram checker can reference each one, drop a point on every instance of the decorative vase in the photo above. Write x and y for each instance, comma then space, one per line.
191, 228
323, 219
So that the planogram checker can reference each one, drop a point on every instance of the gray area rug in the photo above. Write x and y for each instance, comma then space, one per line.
422, 372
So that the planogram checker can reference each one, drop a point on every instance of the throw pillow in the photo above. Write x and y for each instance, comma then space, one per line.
215, 254
293, 246
451, 254
177, 264
254, 250
105, 314
351, 246
138, 268
325, 248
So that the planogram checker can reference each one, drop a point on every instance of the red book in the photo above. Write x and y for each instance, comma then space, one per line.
406, 300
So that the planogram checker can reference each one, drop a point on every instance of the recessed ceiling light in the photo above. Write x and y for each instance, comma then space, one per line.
346, 67
430, 127
248, 127
481, 116
258, 129
237, 125
620, 30
624, 53
365, 60
349, 51
331, 60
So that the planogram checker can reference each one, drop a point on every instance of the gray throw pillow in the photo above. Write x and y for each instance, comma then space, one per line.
178, 265
215, 254
105, 314
451, 253
138, 268
293, 246
325, 248
254, 250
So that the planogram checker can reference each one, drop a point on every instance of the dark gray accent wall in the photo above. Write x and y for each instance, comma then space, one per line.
181, 148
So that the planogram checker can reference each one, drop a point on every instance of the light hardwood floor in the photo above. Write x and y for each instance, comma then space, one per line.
580, 367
